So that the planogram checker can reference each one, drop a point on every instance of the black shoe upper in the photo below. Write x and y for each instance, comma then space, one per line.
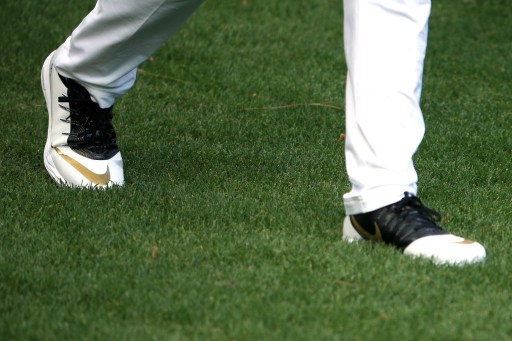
91, 133
400, 223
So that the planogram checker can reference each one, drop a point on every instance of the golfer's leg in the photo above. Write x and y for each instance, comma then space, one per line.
385, 44
103, 52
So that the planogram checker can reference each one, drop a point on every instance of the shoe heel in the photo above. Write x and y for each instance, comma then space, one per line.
45, 86
350, 234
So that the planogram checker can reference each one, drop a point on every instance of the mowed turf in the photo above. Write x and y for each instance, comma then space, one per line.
228, 227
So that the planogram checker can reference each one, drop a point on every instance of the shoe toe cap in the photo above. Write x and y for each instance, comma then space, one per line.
77, 171
447, 249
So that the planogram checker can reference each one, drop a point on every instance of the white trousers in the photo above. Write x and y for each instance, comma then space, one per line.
385, 43
103, 52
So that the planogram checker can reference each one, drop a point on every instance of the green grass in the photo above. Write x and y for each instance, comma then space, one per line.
229, 224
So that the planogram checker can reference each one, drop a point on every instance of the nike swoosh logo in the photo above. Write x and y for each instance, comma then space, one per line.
376, 236
465, 242
95, 178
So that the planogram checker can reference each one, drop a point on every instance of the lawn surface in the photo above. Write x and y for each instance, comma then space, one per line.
228, 227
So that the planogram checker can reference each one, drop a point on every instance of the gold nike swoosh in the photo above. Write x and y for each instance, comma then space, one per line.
95, 178
376, 236
465, 242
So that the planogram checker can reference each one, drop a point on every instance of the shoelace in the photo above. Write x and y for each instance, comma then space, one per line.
92, 124
410, 204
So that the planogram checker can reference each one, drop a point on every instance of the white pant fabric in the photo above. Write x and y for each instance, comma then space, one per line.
385, 43
103, 52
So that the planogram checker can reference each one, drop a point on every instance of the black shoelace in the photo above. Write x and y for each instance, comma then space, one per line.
412, 205
91, 130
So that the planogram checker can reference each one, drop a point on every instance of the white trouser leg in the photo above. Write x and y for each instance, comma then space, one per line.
103, 52
385, 44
